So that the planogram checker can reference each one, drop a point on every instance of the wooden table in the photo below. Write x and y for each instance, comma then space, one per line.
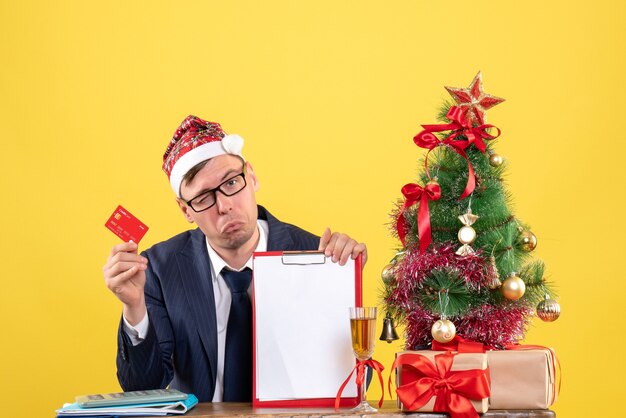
389, 410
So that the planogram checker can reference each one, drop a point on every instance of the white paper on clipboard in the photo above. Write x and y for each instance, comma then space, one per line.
301, 318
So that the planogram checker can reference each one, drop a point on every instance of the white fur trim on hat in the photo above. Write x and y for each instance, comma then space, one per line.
230, 144
233, 144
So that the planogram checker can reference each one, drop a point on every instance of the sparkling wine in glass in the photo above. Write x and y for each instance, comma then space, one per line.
363, 329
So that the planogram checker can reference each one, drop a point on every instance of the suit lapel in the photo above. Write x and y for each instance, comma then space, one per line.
279, 238
195, 273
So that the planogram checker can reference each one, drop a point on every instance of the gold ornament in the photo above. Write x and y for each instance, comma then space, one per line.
513, 287
527, 240
548, 310
433, 182
495, 160
443, 331
389, 273
493, 278
467, 234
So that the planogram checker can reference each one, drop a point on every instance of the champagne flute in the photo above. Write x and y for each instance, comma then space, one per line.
363, 329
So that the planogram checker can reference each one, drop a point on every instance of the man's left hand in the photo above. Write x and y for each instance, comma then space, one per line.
340, 247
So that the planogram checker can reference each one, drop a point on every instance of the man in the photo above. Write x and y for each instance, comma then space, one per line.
186, 317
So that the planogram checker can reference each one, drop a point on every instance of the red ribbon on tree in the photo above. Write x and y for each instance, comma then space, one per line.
414, 193
452, 389
360, 379
460, 125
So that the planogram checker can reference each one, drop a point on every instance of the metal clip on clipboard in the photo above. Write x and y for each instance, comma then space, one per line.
303, 258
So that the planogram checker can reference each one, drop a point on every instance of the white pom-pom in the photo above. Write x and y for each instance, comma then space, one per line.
233, 144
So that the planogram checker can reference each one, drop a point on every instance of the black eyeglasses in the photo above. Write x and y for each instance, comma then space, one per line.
230, 187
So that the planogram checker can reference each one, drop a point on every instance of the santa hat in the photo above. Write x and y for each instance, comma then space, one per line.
194, 141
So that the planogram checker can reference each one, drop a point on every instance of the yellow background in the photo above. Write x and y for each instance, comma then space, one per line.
328, 95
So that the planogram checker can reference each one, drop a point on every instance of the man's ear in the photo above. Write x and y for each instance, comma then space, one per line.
253, 178
185, 209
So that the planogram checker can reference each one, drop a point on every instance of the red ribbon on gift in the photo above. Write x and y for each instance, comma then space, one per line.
360, 379
452, 389
461, 125
459, 344
414, 193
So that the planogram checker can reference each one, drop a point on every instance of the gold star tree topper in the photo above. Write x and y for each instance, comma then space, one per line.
474, 99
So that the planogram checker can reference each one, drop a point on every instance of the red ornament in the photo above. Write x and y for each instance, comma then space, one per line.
475, 99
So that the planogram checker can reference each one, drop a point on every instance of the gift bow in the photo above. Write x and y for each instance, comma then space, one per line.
360, 379
452, 389
412, 194
460, 125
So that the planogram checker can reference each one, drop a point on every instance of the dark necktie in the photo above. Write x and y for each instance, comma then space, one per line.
238, 352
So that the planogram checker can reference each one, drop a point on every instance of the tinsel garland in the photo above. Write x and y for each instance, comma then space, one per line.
415, 267
495, 326
417, 323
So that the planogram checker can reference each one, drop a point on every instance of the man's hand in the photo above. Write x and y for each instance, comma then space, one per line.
340, 247
125, 276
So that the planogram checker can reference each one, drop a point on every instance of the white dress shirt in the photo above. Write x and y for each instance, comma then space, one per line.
222, 296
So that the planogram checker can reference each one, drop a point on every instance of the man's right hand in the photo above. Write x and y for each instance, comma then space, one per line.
125, 276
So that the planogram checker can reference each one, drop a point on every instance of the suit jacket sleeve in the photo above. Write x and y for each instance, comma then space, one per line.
147, 365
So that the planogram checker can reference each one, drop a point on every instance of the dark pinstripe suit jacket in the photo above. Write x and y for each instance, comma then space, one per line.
180, 348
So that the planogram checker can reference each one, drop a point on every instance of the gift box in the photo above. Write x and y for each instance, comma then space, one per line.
435, 381
522, 378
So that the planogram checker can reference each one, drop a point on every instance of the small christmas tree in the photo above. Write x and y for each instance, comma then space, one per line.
465, 264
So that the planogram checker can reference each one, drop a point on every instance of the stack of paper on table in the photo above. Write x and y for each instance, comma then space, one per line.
146, 409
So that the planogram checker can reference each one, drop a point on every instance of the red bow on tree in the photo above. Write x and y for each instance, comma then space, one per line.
461, 126
414, 193
453, 390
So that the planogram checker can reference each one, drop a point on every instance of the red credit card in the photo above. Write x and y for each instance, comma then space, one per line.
123, 224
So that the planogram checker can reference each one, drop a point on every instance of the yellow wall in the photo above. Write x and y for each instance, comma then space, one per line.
328, 95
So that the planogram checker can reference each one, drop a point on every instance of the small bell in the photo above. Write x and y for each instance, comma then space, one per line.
389, 333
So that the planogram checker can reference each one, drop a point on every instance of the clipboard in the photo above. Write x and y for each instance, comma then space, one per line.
302, 348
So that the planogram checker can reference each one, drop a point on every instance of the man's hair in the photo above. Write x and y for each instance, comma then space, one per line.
191, 174
193, 171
